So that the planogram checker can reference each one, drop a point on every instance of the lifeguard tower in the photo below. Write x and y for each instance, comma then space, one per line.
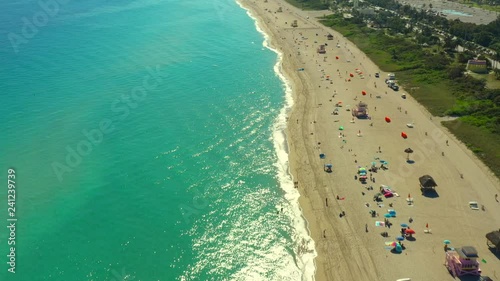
361, 110
463, 261
321, 49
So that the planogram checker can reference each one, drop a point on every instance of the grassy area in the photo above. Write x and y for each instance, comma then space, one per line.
491, 81
436, 97
480, 141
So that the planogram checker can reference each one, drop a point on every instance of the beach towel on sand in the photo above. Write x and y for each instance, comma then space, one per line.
379, 223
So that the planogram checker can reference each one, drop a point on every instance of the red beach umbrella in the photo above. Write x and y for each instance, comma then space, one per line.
404, 135
388, 120
410, 231
363, 92
352, 75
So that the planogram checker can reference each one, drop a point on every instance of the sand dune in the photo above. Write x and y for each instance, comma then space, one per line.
348, 252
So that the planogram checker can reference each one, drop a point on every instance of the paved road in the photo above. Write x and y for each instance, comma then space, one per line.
454, 10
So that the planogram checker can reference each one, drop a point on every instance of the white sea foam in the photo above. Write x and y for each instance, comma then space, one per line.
305, 247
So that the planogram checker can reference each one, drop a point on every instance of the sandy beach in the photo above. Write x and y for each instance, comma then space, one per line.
352, 247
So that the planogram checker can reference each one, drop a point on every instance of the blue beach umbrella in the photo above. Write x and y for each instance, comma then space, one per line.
387, 215
329, 165
404, 225
447, 242
400, 238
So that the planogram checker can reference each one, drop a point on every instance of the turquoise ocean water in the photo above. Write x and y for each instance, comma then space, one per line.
147, 143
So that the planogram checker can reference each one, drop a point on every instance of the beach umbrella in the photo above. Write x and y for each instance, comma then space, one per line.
374, 164
410, 231
393, 244
352, 75
398, 248
322, 156
447, 242
388, 215
404, 135
387, 119
341, 128
404, 225
400, 238
337, 57
363, 92
408, 150
329, 165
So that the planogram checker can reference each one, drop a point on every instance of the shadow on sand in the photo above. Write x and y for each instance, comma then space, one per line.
396, 252
470, 278
410, 161
411, 238
495, 252
431, 193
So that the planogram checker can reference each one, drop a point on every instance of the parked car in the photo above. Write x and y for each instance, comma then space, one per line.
377, 75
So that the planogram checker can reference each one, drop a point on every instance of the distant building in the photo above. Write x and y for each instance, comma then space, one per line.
367, 12
478, 66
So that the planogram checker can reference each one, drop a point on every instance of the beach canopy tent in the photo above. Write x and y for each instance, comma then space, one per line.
427, 182
493, 239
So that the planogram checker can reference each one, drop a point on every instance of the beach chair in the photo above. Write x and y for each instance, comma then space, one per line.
474, 205
409, 200
428, 231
